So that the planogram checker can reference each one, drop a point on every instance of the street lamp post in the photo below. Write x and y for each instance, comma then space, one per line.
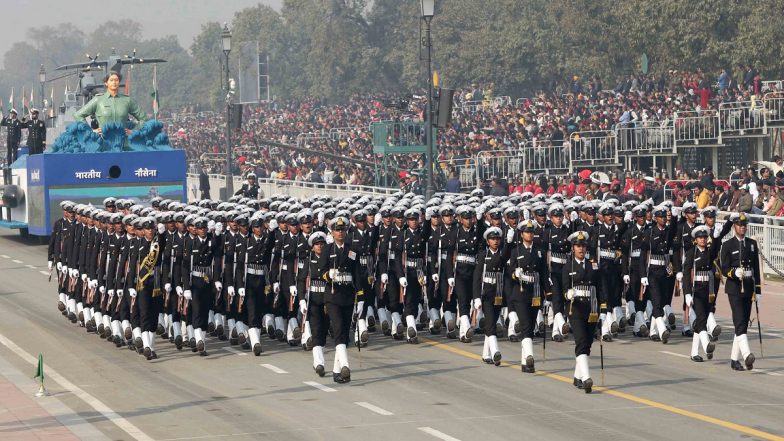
226, 41
428, 10
42, 80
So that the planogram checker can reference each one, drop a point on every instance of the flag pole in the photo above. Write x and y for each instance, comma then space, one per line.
39, 373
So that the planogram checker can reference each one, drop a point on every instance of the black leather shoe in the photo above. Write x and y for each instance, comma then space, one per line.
345, 374
178, 342
696, 358
200, 346
234, 341
60, 306
319, 370
497, 359
514, 338
736, 366
614, 327
411, 333
687, 333
337, 378
257, 350
671, 319
203, 354
371, 322
138, 343
400, 329
160, 329
709, 350
192, 344
385, 328
529, 364
665, 337
558, 338
655, 337
588, 385
437, 325
577, 383
716, 332
154, 356
607, 338
148, 353
470, 334
211, 327
241, 338
749, 362
246, 346
487, 360
72, 317
128, 333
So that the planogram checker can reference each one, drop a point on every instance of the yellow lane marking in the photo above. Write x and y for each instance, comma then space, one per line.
644, 401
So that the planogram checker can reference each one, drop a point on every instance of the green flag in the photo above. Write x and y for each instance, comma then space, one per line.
40, 371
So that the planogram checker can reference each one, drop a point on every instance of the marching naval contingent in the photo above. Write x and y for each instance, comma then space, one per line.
302, 270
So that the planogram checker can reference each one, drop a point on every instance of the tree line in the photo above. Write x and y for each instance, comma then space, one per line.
338, 48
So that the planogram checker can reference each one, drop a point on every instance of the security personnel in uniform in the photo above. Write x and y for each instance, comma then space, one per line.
311, 290
656, 272
361, 240
460, 277
699, 288
606, 241
250, 280
740, 265
682, 243
249, 189
36, 133
557, 255
631, 246
441, 249
488, 292
411, 268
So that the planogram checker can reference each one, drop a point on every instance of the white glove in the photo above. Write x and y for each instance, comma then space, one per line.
293, 290
84, 277
480, 211
303, 307
230, 290
476, 304
676, 211
273, 224
451, 281
435, 278
689, 299
210, 225
218, 228
627, 217
739, 273
428, 215
330, 239
644, 281
333, 273
93, 284
548, 303
167, 287
360, 306
119, 293
518, 273
717, 233
218, 286
679, 276
187, 294
59, 266
377, 220
155, 246
602, 317
132, 292
758, 298
573, 216
65, 270
161, 228
178, 290
403, 282
510, 235
102, 290
320, 218
570, 294
241, 292
384, 278
49, 265
111, 293
276, 287
74, 273
627, 279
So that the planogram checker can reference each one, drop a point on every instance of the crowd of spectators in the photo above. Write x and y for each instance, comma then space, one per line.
481, 122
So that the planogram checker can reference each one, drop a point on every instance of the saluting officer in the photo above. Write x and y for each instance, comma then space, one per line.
249, 189
36, 133
740, 265
13, 138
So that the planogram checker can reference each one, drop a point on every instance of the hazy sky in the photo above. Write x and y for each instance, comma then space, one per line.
157, 17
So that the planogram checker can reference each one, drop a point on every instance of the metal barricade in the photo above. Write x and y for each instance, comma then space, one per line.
742, 118
498, 163
472, 106
773, 103
465, 169
693, 129
649, 137
596, 148
544, 157
771, 85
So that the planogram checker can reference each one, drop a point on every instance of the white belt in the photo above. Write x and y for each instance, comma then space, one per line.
490, 280
529, 278
317, 288
443, 256
464, 258
364, 260
635, 253
343, 278
300, 265
200, 274
391, 255
606, 253
560, 260
284, 267
412, 263
658, 262
256, 272
747, 273
582, 293
701, 278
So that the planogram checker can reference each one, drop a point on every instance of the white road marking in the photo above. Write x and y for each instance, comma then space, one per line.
5, 256
44, 273
275, 369
373, 408
440, 435
320, 386
93, 402
767, 372
675, 354
32, 267
236, 351
17, 261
